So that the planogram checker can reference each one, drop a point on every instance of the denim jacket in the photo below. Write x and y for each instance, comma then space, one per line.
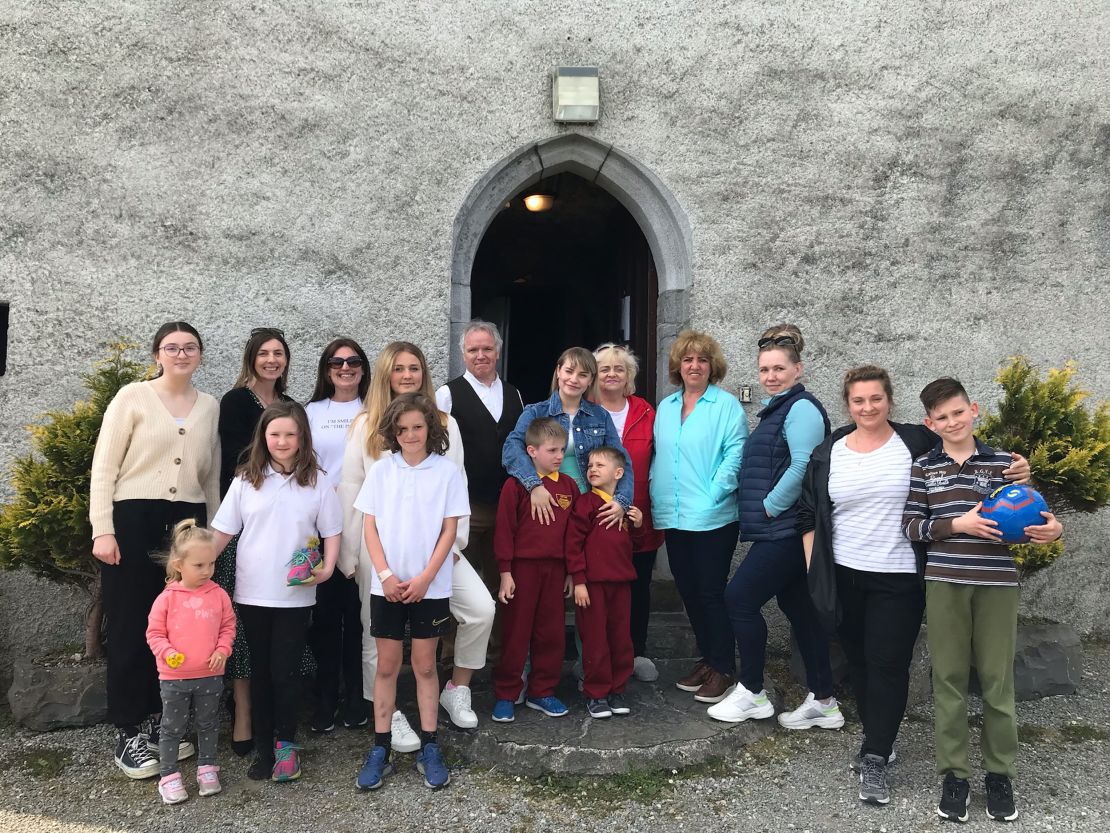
593, 428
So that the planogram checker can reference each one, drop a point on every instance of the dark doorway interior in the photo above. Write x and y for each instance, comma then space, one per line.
580, 273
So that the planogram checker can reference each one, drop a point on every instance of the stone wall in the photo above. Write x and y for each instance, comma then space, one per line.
923, 185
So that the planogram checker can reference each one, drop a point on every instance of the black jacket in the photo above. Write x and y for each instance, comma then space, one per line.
815, 515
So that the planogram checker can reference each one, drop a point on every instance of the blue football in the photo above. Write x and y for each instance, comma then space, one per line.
1013, 508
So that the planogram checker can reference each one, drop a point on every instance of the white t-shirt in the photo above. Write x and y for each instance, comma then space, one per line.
620, 417
868, 494
409, 504
330, 421
275, 521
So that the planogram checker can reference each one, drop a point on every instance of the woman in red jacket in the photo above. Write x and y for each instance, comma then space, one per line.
635, 421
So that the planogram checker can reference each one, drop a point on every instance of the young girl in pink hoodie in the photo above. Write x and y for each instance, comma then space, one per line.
190, 631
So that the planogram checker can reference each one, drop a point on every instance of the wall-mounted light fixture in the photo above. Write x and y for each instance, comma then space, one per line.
575, 95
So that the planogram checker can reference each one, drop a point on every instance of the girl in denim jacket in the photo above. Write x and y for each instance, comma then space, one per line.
588, 425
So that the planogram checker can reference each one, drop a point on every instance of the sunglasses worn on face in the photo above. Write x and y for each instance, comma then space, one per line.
350, 361
778, 341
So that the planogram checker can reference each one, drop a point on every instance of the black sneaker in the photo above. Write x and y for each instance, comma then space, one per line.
618, 705
133, 757
872, 781
955, 795
356, 713
323, 718
1000, 798
261, 769
599, 708
151, 729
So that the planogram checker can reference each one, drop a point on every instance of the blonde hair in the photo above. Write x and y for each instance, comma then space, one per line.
618, 352
574, 358
783, 331
699, 344
380, 394
186, 535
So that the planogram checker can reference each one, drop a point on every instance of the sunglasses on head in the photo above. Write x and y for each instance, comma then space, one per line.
350, 361
778, 341
257, 331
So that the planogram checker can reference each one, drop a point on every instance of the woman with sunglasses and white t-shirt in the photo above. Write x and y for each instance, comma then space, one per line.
342, 379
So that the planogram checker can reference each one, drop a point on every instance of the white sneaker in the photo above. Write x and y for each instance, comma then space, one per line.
644, 669
404, 738
740, 705
456, 701
813, 713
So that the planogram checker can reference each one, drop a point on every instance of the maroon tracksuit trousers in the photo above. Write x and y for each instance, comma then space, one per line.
607, 655
533, 620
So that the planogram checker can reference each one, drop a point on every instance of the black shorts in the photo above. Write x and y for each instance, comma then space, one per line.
426, 619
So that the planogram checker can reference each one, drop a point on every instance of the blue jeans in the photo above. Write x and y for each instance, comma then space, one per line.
699, 563
776, 568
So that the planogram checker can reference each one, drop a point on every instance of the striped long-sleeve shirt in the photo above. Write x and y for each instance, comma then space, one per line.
940, 491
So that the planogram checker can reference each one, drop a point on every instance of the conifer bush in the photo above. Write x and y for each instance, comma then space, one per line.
1068, 445
45, 528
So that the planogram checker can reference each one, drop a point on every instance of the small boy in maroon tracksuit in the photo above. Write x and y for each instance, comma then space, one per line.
599, 561
532, 565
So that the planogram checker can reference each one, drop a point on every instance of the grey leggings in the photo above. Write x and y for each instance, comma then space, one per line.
204, 695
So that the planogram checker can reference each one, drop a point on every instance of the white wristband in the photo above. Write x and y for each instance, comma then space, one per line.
384, 574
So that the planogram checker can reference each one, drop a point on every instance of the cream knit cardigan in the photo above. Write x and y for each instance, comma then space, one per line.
143, 454
353, 558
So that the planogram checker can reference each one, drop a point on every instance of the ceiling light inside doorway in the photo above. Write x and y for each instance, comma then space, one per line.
575, 95
539, 202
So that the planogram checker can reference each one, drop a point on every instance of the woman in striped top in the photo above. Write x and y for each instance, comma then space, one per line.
864, 576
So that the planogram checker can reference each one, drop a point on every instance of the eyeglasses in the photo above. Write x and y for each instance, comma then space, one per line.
274, 331
350, 361
189, 349
778, 341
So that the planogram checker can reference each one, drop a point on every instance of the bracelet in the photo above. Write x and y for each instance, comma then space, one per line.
384, 574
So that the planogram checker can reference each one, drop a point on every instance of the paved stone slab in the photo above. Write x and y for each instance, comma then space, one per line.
667, 728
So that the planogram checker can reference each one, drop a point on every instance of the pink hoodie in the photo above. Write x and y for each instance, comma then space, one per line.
194, 623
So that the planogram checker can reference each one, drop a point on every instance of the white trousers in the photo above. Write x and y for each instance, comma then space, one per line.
471, 605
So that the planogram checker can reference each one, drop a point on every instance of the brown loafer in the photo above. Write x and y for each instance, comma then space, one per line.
715, 687
693, 681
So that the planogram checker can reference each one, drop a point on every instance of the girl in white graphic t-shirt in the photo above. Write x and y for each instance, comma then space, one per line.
412, 500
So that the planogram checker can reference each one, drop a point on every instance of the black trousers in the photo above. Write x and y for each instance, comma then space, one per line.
644, 562
336, 640
776, 569
880, 621
276, 637
129, 589
700, 563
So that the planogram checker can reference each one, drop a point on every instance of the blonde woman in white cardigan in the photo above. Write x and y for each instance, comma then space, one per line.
157, 462
402, 368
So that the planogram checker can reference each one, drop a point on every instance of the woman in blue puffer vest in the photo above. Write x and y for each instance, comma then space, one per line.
791, 424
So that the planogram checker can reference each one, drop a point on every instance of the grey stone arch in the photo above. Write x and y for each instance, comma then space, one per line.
648, 200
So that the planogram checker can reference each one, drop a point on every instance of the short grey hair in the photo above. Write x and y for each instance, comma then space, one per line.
480, 326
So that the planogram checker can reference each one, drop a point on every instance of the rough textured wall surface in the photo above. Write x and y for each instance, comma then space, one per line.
924, 185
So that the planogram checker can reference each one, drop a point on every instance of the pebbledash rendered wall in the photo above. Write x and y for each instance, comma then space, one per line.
924, 185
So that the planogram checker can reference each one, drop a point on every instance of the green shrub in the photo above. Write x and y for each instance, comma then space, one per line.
45, 528
1068, 446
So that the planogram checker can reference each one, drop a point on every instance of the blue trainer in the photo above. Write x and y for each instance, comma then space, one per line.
503, 711
430, 764
551, 706
374, 770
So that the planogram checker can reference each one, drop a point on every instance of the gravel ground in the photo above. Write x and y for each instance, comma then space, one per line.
64, 781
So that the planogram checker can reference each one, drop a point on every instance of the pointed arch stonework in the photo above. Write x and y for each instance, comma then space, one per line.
646, 198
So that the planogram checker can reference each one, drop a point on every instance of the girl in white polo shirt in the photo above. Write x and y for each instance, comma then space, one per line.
412, 500
277, 502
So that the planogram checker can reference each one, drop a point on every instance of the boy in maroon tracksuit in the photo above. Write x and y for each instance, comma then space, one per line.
530, 559
599, 561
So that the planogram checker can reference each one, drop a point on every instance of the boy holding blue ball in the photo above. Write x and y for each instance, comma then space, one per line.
971, 597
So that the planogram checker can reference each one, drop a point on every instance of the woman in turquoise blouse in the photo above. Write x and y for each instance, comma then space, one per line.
700, 431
